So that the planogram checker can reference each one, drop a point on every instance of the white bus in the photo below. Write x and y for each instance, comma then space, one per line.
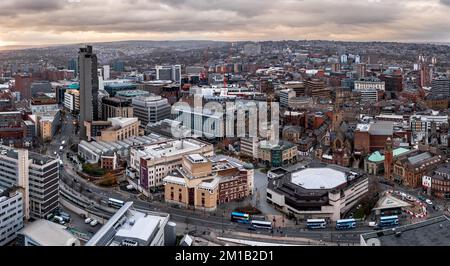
316, 223
261, 224
115, 203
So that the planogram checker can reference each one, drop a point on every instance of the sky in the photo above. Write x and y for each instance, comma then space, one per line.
38, 22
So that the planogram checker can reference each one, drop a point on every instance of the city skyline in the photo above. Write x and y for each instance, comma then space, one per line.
78, 21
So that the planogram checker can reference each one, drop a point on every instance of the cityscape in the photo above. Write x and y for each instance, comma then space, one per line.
216, 142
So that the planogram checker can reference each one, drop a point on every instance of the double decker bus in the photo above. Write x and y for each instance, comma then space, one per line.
387, 221
240, 217
345, 224
261, 224
316, 223
115, 203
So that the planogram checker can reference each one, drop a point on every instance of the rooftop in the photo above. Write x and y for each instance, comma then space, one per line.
47, 233
432, 232
378, 157
319, 178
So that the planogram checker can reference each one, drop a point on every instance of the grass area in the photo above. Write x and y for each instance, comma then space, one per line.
93, 170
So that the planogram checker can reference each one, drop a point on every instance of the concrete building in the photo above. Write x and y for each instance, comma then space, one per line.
47, 234
130, 227
322, 192
440, 87
11, 214
156, 161
151, 109
249, 147
89, 86
37, 174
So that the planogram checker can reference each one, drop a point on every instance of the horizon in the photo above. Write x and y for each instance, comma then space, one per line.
58, 22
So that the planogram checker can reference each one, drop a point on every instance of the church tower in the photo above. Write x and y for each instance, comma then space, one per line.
388, 159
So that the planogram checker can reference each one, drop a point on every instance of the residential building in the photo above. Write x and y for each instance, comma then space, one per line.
72, 101
439, 182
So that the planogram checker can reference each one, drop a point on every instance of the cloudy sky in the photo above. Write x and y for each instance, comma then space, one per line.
33, 22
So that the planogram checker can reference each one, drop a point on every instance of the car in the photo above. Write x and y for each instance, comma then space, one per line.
88, 221
422, 198
251, 228
429, 202
89, 190
372, 224
94, 223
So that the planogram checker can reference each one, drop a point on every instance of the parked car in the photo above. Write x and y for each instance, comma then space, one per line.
429, 202
94, 223
88, 221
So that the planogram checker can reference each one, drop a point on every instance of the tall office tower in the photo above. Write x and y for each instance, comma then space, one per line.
440, 87
38, 175
88, 66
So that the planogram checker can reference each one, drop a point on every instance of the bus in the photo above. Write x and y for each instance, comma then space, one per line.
315, 223
115, 203
386, 221
240, 217
261, 224
345, 224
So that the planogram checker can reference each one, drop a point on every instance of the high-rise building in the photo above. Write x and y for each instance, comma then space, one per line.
37, 174
151, 109
23, 85
361, 70
73, 65
87, 62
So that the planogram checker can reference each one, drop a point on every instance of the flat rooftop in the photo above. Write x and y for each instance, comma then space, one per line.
319, 178
432, 232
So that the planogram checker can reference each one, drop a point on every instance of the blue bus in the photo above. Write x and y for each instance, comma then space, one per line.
240, 217
345, 224
316, 223
386, 221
